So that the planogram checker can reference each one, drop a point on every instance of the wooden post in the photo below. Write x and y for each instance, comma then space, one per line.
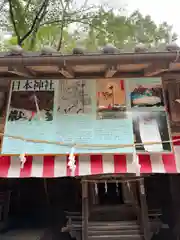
144, 210
85, 210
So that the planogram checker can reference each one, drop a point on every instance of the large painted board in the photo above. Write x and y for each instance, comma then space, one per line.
86, 112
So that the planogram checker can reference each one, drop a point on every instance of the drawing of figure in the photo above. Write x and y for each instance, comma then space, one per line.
75, 97
111, 100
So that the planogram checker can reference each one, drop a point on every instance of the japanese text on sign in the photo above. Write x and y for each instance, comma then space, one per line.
18, 114
33, 85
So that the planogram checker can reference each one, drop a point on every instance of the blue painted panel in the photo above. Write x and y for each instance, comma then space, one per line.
105, 120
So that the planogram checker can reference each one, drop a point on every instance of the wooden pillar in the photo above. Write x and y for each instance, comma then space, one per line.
85, 214
144, 210
174, 207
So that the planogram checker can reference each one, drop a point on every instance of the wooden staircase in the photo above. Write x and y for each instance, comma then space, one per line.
122, 230
118, 222
115, 222
103, 229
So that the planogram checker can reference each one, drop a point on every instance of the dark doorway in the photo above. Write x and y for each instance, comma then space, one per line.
110, 193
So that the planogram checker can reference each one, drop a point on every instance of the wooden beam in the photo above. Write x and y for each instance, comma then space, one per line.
174, 66
155, 73
4, 88
109, 73
171, 77
67, 72
144, 210
21, 71
89, 59
85, 213
58, 76
155, 69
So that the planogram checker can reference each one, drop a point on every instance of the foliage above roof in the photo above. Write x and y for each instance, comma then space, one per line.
65, 39
63, 24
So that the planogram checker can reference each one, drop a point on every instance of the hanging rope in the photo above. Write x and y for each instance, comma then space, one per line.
86, 146
135, 162
111, 181
72, 162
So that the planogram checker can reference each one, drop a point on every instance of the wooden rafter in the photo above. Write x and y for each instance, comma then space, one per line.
57, 75
22, 71
67, 72
156, 68
58, 67
110, 71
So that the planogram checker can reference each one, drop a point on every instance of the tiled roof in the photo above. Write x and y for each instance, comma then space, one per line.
109, 62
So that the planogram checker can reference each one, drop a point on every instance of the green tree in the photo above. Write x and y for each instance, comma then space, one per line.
35, 18
125, 32
62, 24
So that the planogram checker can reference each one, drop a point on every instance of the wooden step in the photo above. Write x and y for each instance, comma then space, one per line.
119, 227
102, 227
73, 213
113, 232
117, 237
114, 223
120, 223
74, 217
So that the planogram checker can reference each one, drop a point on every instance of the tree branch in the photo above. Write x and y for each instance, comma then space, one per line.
36, 19
62, 24
13, 22
36, 28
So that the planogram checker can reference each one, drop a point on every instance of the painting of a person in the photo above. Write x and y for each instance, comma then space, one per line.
111, 99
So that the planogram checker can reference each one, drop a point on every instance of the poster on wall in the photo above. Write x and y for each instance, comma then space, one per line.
151, 127
31, 100
146, 93
150, 120
29, 115
111, 99
74, 97
103, 111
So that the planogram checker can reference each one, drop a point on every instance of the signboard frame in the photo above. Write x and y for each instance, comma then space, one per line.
123, 84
